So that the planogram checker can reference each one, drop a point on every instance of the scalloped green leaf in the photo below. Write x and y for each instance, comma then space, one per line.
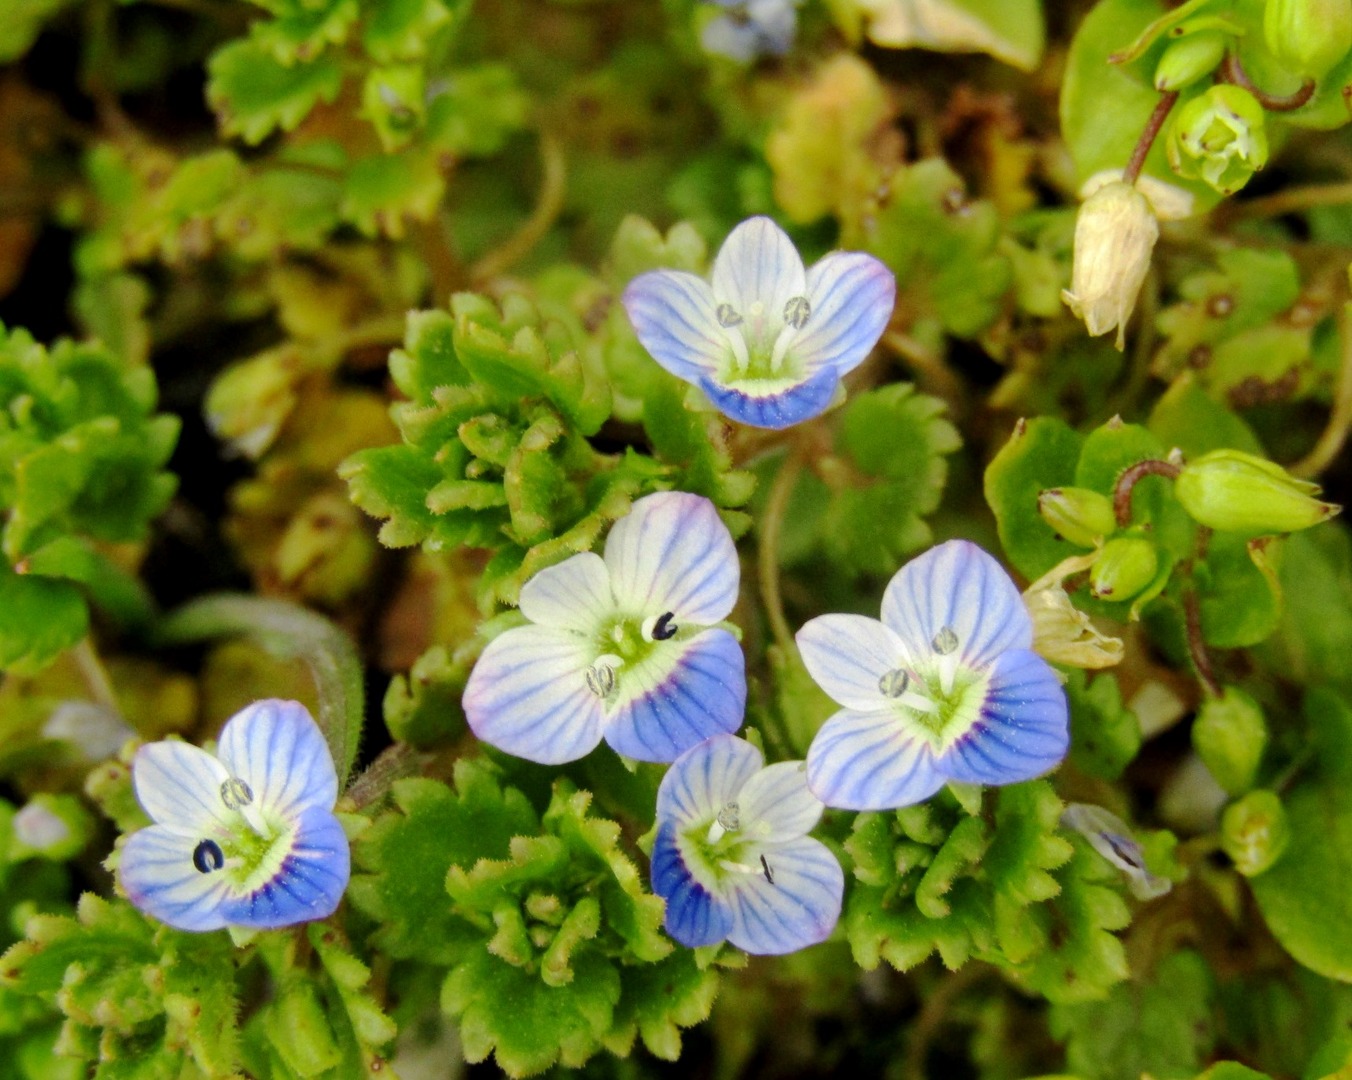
254, 94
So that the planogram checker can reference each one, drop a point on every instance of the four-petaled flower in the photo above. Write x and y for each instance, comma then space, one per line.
245, 837
623, 647
767, 341
751, 28
946, 687
732, 857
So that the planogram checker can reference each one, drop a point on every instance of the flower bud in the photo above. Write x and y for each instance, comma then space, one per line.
1115, 233
1230, 735
1238, 492
1219, 137
1254, 832
1082, 516
1062, 633
1189, 58
1124, 567
55, 827
1308, 36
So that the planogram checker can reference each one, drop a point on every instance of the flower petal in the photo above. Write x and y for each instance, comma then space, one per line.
959, 586
672, 313
309, 883
1023, 730
758, 264
800, 908
156, 868
572, 595
871, 761
847, 655
685, 692
179, 786
776, 805
672, 553
782, 407
528, 695
277, 749
851, 296
694, 916
706, 778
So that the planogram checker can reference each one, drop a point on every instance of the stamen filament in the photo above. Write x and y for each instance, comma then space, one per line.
741, 359
781, 349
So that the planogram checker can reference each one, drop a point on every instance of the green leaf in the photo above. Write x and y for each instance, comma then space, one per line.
40, 617
254, 94
1104, 734
1010, 31
1190, 419
1041, 453
402, 29
658, 1000
301, 29
423, 707
385, 191
474, 113
22, 23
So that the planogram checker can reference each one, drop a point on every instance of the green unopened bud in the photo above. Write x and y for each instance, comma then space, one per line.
1254, 832
1219, 137
1079, 515
1308, 36
1238, 492
1115, 232
1124, 567
1189, 58
1230, 735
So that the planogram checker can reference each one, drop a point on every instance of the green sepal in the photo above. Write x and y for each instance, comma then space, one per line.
1230, 735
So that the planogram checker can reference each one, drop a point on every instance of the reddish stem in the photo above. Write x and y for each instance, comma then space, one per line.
1152, 129
1201, 659
1126, 484
1232, 71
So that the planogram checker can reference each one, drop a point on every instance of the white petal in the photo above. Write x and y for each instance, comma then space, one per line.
672, 313
871, 761
156, 868
776, 805
851, 296
528, 695
672, 553
959, 586
572, 595
706, 778
308, 884
758, 264
801, 906
179, 786
277, 749
847, 656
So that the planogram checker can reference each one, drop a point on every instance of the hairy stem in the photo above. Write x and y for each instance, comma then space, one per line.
1201, 659
1126, 484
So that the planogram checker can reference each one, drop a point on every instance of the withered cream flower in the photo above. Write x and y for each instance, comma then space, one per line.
1114, 235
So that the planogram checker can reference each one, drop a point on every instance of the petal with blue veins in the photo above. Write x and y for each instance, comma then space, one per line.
672, 313
157, 871
958, 586
851, 296
685, 692
795, 905
179, 785
571, 595
775, 804
848, 656
871, 761
528, 695
786, 404
694, 916
1023, 727
672, 553
706, 778
308, 884
758, 265
277, 749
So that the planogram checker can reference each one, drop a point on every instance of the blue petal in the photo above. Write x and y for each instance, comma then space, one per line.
672, 313
157, 871
758, 264
768, 29
706, 778
783, 408
308, 885
776, 805
801, 906
851, 297
694, 917
277, 749
959, 586
1023, 730
847, 655
672, 553
687, 691
179, 785
871, 761
571, 595
528, 695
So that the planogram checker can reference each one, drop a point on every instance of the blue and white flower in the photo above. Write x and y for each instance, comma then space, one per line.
732, 857
245, 837
945, 687
1112, 838
751, 28
767, 341
624, 646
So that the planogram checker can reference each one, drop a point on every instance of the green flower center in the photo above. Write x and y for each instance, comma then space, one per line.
760, 342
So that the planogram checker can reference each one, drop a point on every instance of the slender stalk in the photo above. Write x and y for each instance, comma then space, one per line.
1201, 659
767, 554
553, 187
1334, 435
1232, 71
1294, 200
1126, 484
1136, 162
394, 763
95, 676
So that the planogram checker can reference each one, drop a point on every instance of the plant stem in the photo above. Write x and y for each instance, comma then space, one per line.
394, 763
1201, 659
1232, 71
553, 187
1126, 484
1152, 129
95, 676
767, 553
1334, 435
1294, 200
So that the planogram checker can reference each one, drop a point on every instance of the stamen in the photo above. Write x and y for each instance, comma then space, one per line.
766, 867
781, 349
207, 856
945, 641
737, 867
741, 359
727, 316
601, 680
894, 683
729, 819
664, 628
797, 311
235, 793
